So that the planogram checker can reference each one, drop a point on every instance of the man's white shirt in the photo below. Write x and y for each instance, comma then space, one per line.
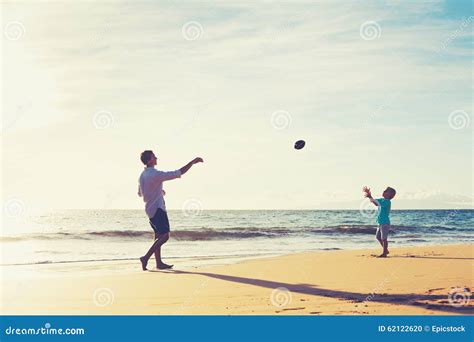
150, 187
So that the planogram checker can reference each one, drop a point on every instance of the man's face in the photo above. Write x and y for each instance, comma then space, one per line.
152, 160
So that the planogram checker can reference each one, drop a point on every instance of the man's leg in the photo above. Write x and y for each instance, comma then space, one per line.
160, 239
159, 262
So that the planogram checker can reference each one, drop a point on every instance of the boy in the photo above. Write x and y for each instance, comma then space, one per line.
383, 219
151, 189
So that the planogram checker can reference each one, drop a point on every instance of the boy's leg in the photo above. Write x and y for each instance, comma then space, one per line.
378, 236
384, 230
385, 247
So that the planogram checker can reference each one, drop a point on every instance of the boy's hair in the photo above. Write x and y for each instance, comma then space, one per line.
146, 156
392, 192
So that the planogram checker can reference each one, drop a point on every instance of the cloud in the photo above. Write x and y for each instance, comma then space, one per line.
436, 199
360, 104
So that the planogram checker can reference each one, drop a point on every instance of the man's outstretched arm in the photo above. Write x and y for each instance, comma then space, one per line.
186, 167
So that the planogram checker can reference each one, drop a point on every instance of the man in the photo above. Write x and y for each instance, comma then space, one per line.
151, 189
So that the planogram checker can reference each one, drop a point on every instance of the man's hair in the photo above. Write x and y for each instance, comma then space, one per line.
392, 192
146, 156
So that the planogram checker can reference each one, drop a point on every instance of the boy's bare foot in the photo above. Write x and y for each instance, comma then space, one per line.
164, 266
383, 255
144, 263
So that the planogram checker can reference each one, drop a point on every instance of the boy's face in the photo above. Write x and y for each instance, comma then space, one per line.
388, 194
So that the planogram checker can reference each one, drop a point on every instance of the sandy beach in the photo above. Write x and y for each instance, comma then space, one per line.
412, 281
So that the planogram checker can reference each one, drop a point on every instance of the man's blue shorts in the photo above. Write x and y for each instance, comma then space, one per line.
159, 222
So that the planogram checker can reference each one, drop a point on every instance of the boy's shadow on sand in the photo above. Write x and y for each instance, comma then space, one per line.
308, 289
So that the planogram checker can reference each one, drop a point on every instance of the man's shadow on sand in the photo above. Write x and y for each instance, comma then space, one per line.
309, 289
430, 257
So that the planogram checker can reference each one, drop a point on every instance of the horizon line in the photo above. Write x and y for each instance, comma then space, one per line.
267, 209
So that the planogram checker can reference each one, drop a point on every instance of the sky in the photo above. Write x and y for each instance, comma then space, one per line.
381, 91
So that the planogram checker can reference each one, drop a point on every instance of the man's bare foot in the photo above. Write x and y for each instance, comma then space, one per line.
388, 252
144, 263
164, 266
383, 255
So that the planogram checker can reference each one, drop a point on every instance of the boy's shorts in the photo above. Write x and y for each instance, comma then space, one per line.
382, 232
159, 222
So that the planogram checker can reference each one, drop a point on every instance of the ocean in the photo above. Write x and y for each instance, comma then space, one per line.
216, 236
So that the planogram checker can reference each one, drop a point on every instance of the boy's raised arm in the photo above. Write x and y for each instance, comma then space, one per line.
368, 194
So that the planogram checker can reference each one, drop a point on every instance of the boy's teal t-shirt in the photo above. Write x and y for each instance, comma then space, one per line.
383, 211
